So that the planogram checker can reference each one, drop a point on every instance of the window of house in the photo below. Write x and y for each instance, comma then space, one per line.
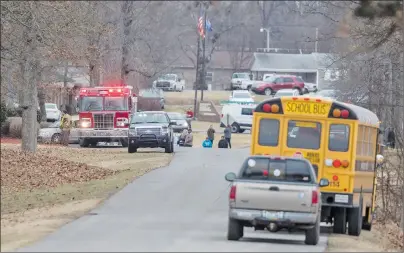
209, 77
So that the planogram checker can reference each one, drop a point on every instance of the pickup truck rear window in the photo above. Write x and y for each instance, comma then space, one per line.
277, 170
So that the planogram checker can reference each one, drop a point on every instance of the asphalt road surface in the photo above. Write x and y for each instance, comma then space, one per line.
182, 207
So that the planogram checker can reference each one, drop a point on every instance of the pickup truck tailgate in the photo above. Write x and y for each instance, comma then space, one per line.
274, 196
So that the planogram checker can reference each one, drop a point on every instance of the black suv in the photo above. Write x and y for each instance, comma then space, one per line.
150, 129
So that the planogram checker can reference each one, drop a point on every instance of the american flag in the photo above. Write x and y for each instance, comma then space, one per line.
201, 29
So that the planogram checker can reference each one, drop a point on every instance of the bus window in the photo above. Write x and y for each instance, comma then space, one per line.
306, 135
338, 139
268, 132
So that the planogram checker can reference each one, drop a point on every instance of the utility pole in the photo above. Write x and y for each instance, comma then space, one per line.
316, 43
197, 74
203, 55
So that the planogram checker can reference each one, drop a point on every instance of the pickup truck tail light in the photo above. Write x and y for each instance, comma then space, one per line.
232, 195
314, 197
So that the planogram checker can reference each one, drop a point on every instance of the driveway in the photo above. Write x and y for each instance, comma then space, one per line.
182, 207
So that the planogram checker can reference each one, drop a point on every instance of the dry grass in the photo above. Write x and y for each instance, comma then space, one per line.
58, 205
369, 241
187, 97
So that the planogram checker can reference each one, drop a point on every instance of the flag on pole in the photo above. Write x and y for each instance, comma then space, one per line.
201, 29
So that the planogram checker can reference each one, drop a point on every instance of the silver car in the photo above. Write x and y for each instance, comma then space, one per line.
51, 133
275, 193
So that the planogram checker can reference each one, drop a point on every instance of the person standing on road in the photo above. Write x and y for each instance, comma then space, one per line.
211, 134
227, 134
65, 126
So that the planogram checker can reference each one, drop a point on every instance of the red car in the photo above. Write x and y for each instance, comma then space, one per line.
280, 82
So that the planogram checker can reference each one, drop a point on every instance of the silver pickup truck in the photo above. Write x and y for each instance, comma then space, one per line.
275, 193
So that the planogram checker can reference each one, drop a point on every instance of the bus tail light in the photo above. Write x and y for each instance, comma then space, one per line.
345, 164
336, 163
345, 114
336, 113
275, 108
266, 108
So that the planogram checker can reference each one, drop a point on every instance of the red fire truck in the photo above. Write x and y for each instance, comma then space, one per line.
104, 114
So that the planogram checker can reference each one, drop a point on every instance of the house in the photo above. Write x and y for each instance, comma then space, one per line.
316, 68
218, 71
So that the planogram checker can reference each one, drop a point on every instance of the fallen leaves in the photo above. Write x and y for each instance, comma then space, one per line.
25, 171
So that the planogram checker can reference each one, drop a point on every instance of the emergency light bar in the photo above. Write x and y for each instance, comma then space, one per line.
105, 91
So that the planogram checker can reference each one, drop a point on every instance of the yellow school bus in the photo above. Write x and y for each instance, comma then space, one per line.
339, 139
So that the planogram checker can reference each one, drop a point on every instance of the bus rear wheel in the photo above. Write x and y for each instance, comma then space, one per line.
339, 220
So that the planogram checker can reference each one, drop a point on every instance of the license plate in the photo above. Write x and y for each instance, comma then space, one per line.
272, 215
177, 134
341, 198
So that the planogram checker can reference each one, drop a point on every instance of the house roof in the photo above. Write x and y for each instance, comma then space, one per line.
290, 62
219, 60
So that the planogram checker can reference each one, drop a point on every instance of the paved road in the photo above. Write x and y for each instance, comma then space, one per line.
179, 208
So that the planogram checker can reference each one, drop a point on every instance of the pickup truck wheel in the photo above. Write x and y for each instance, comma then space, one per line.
339, 221
268, 91
249, 87
306, 91
234, 230
313, 234
169, 148
355, 221
132, 149
84, 143
235, 128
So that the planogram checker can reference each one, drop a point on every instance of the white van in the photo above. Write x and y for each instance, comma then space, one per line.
238, 116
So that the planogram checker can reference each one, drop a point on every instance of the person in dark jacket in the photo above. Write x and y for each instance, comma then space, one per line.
223, 143
211, 133
227, 134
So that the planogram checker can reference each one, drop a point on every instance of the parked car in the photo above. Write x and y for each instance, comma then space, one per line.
279, 82
182, 122
241, 96
51, 132
153, 94
287, 93
310, 87
170, 82
52, 112
275, 193
241, 81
